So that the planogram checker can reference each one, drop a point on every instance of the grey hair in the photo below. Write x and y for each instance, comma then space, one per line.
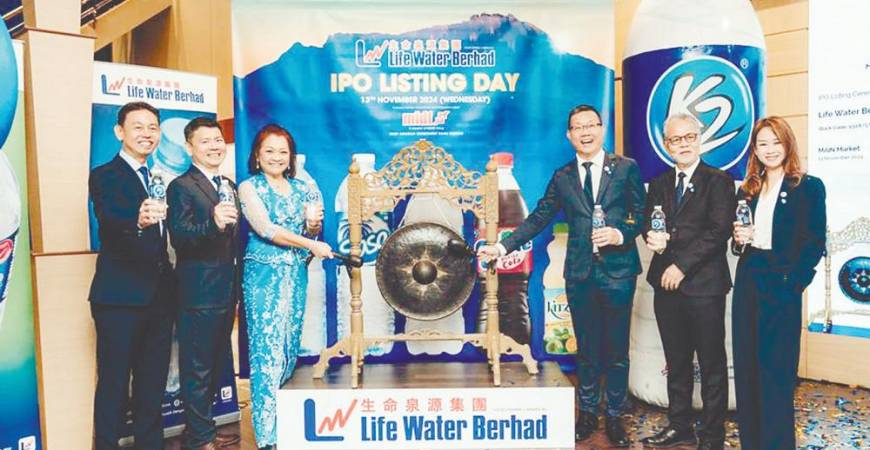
685, 117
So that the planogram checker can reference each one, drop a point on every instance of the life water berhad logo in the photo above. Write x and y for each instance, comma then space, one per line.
715, 92
315, 429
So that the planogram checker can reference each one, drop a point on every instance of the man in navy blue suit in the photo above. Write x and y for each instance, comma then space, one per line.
133, 291
205, 236
601, 266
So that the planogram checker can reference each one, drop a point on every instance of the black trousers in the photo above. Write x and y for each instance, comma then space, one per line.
203, 351
137, 341
766, 324
689, 325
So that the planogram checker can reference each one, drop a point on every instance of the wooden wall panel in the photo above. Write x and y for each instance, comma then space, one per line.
65, 348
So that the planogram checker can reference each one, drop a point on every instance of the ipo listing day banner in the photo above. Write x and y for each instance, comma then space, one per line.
426, 418
180, 97
19, 401
839, 153
368, 78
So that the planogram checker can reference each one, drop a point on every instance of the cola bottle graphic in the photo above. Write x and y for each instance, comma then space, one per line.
513, 269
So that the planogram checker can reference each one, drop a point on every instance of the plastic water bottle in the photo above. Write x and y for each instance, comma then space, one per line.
10, 222
515, 267
657, 220
559, 336
314, 323
599, 220
379, 319
744, 213
710, 63
226, 193
157, 187
433, 208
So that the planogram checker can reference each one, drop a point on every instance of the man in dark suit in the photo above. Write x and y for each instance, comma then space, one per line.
690, 275
132, 293
205, 237
601, 266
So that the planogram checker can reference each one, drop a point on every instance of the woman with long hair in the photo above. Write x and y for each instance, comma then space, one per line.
778, 254
275, 276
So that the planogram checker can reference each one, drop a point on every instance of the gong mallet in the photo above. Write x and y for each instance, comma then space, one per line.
457, 247
347, 260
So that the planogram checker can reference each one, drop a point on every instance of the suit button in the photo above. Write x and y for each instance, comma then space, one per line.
674, 230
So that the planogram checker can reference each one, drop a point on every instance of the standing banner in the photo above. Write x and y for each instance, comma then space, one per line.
839, 154
19, 403
368, 78
180, 97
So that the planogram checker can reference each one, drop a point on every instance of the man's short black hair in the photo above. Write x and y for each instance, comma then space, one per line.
135, 106
200, 122
579, 109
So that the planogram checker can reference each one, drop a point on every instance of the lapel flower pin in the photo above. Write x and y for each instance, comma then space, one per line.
783, 196
691, 188
607, 169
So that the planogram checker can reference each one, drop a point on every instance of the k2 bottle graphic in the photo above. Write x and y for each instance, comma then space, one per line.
710, 64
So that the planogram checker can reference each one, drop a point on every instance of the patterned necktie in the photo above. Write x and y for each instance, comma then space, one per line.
144, 172
217, 182
678, 193
587, 182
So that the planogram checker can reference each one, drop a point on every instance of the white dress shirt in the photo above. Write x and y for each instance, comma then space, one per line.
208, 174
689, 171
135, 165
762, 239
597, 166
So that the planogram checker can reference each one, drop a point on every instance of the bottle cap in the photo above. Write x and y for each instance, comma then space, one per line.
657, 207
366, 161
504, 159
741, 202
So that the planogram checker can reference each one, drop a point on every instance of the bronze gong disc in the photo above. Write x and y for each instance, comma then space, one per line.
419, 277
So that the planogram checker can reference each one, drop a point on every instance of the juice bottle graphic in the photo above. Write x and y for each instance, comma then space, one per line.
559, 336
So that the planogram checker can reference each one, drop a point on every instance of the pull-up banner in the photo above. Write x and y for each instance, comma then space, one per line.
351, 77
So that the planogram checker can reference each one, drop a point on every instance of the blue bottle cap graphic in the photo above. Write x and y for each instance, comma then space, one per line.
171, 154
854, 279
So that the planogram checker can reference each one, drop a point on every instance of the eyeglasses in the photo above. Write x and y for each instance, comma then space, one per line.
689, 138
586, 127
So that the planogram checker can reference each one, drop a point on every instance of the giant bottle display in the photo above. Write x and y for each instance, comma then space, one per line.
314, 323
514, 268
699, 57
379, 319
10, 194
433, 208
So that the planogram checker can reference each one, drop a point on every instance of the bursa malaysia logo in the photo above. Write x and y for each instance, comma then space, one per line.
325, 428
715, 92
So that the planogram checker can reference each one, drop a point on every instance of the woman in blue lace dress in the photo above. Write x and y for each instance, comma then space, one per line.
275, 276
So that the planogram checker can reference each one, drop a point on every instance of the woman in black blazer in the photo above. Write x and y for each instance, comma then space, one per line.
778, 254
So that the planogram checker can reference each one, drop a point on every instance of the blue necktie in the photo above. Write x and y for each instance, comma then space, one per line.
678, 193
217, 182
144, 171
587, 182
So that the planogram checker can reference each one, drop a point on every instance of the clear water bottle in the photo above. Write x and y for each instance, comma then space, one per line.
710, 63
226, 193
657, 220
744, 213
599, 221
157, 187
314, 323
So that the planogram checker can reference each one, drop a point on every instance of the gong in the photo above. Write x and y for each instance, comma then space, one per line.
421, 275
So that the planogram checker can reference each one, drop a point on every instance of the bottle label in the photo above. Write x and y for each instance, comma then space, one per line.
7, 251
559, 336
720, 85
158, 190
517, 261
374, 233
657, 224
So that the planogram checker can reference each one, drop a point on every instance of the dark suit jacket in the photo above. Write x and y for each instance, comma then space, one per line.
132, 263
620, 194
699, 230
799, 226
207, 257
